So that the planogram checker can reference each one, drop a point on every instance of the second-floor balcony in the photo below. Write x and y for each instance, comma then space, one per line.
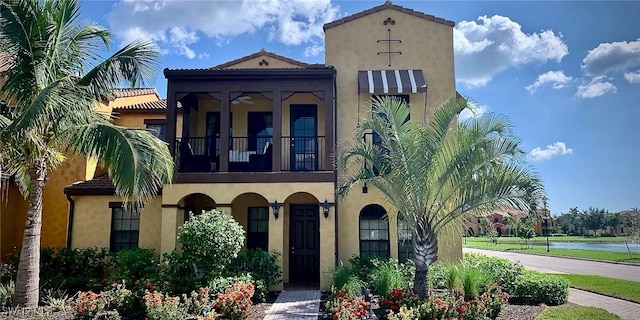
252, 154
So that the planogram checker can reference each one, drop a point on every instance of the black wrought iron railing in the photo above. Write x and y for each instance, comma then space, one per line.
303, 154
251, 154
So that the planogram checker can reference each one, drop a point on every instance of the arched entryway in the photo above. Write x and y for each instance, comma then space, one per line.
303, 239
251, 210
195, 204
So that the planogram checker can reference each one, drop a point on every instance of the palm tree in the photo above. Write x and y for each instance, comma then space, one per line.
434, 173
51, 82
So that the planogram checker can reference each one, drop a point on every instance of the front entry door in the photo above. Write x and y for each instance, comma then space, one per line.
304, 243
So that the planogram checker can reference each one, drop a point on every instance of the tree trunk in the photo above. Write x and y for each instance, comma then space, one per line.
28, 278
425, 252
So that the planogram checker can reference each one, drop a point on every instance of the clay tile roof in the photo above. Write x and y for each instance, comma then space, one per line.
260, 53
101, 185
159, 105
388, 5
133, 92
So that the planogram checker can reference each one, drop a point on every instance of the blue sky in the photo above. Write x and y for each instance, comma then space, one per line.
566, 73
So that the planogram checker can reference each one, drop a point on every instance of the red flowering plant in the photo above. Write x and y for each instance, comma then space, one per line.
163, 307
345, 307
88, 305
235, 303
398, 298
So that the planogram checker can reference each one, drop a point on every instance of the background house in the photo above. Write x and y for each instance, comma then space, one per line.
258, 136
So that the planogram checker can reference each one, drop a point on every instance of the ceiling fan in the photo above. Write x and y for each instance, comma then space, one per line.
243, 99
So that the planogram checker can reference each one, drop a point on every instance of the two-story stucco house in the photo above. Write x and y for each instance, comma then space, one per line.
258, 137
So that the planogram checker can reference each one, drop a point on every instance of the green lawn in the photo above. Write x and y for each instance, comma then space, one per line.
618, 288
575, 313
511, 244
564, 239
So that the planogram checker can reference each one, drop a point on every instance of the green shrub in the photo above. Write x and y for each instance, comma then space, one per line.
163, 307
211, 241
220, 284
6, 294
177, 274
7, 272
362, 267
136, 263
386, 277
263, 266
542, 288
354, 287
502, 271
474, 281
439, 275
341, 275
75, 269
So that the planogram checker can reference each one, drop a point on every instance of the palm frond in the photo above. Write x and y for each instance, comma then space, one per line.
138, 162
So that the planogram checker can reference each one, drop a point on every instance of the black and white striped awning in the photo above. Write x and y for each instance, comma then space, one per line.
391, 81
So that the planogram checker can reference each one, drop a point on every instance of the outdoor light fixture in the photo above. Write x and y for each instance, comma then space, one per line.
364, 188
325, 208
276, 209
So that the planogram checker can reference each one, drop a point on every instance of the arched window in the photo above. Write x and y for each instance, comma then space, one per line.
374, 232
405, 250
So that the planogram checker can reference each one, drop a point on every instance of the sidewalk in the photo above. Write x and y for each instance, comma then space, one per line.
295, 305
624, 309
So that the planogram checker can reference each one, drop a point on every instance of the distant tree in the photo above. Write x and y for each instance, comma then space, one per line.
526, 231
613, 220
508, 222
486, 225
594, 219
565, 223
633, 223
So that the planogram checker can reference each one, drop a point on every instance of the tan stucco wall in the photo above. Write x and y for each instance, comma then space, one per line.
92, 223
13, 215
351, 47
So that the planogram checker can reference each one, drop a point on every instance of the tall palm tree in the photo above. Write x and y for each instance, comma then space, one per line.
434, 173
51, 82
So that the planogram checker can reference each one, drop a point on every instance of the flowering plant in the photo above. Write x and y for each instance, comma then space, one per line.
235, 303
88, 305
398, 298
163, 307
345, 307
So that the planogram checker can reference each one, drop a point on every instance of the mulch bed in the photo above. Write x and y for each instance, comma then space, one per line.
513, 310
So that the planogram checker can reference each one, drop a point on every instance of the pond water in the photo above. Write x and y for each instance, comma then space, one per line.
633, 247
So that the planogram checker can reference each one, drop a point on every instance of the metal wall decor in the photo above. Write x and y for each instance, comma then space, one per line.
263, 63
389, 41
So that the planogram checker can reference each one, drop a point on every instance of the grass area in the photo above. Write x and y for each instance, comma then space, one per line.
565, 239
575, 313
618, 288
508, 245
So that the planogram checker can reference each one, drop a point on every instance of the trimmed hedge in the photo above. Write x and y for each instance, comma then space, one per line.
542, 288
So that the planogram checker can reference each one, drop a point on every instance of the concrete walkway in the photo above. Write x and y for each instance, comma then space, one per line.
295, 305
624, 309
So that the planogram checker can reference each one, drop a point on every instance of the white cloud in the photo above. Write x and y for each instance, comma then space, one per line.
176, 26
473, 110
313, 50
632, 77
557, 149
614, 56
597, 87
484, 49
557, 79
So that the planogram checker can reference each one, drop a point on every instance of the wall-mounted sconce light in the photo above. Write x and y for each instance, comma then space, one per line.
325, 208
276, 209
364, 188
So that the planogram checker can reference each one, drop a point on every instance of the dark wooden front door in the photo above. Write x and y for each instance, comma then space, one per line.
304, 243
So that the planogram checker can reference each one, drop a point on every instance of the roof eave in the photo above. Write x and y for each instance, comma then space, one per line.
248, 73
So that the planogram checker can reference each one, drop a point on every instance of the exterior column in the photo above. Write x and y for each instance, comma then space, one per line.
277, 131
169, 229
329, 118
276, 239
224, 131
327, 247
171, 116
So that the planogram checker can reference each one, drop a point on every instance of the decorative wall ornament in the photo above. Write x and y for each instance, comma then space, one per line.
389, 41
263, 63
389, 21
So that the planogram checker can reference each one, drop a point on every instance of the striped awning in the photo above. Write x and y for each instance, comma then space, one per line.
391, 81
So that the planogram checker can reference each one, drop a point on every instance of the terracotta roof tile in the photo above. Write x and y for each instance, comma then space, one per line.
258, 54
388, 5
133, 92
101, 185
147, 106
